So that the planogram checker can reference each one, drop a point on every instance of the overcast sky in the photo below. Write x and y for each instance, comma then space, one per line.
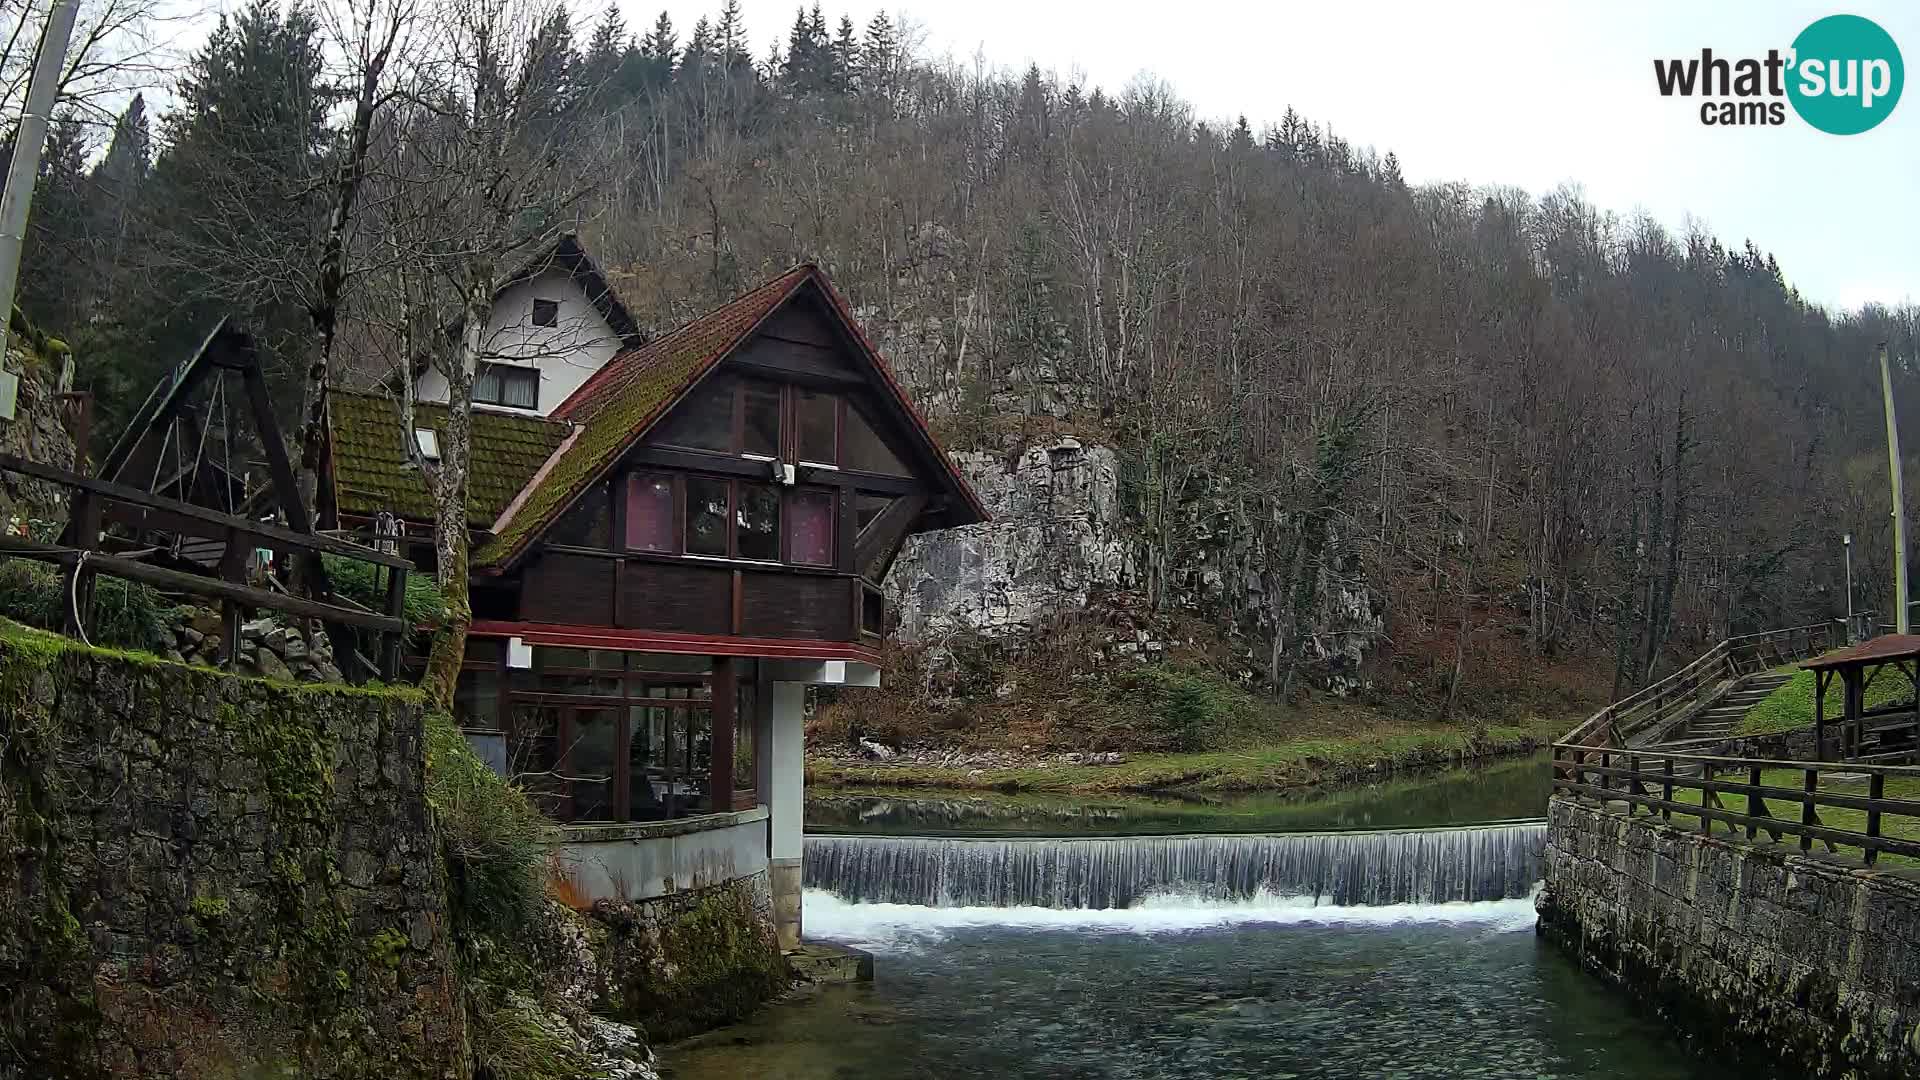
1524, 93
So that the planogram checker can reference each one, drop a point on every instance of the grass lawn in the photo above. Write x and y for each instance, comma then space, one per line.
1284, 763
1791, 706
1833, 817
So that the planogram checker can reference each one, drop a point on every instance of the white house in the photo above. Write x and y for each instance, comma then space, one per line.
554, 323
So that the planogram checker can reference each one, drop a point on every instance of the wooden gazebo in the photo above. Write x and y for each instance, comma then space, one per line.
1867, 734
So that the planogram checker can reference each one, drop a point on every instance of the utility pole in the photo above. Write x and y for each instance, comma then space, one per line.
31, 138
1846, 543
1899, 508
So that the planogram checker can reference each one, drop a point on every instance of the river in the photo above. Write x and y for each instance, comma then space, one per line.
1352, 946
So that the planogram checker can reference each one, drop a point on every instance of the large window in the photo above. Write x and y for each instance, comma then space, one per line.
508, 385
704, 421
756, 526
759, 419
599, 735
810, 528
817, 415
650, 516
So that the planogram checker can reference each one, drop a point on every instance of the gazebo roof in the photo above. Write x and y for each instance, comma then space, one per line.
1881, 650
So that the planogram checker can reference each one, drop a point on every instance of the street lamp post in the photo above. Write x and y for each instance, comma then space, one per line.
1846, 544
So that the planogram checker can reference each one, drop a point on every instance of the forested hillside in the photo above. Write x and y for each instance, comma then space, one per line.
1514, 427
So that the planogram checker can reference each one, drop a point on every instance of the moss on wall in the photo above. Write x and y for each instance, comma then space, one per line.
694, 960
206, 875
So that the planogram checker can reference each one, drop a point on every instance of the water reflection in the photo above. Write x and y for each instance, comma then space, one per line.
1501, 792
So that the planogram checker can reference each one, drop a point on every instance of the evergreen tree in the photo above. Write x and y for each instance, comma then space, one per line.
1390, 172
730, 39
878, 57
117, 183
606, 52
551, 77
798, 71
1241, 142
846, 56
56, 282
699, 55
234, 216
659, 51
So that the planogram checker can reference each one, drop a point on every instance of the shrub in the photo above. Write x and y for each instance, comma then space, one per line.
495, 851
365, 584
125, 614
1174, 707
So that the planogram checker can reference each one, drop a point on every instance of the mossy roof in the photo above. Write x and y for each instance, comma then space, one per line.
625, 398
371, 472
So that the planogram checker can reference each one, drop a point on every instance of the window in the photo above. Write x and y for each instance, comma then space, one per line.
810, 528
703, 421
865, 451
707, 505
428, 440
817, 416
546, 313
505, 384
587, 523
760, 430
757, 527
873, 611
649, 512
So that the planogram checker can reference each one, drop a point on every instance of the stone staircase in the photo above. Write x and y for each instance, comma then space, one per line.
1715, 724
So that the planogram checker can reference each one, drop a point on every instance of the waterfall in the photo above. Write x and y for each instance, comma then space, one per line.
1414, 866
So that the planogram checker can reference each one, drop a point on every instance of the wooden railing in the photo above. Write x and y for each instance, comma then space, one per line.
1863, 823
93, 502
1659, 704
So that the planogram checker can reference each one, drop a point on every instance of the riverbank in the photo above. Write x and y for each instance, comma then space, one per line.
1305, 762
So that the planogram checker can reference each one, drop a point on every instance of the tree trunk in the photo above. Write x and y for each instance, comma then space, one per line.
332, 278
450, 494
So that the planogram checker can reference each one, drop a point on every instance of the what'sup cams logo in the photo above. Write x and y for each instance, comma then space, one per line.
1843, 75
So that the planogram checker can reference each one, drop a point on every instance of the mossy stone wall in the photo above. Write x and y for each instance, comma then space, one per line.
693, 960
203, 875
1788, 964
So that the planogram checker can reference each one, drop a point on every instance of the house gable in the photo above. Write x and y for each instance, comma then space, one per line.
793, 331
558, 319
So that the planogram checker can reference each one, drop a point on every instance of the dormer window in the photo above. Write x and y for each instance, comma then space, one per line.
507, 385
546, 313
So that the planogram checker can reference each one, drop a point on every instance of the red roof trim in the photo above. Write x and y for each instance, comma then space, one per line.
569, 636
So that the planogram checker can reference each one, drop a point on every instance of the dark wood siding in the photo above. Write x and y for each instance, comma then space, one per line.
561, 588
683, 599
765, 354
801, 321
796, 606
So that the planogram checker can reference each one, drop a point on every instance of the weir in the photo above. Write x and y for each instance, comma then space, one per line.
1410, 866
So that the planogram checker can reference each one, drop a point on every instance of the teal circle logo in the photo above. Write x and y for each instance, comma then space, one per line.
1846, 74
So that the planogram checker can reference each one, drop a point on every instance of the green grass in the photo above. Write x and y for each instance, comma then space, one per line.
1832, 817
1791, 706
1291, 763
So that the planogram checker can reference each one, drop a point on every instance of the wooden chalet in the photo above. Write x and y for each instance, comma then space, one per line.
695, 530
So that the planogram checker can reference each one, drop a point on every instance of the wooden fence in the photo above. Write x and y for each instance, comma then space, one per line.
1861, 820
1663, 703
92, 503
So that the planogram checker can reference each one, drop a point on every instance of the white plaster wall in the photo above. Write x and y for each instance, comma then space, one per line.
637, 862
577, 345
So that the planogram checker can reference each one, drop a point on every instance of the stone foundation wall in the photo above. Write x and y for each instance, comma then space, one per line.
203, 875
693, 960
1794, 965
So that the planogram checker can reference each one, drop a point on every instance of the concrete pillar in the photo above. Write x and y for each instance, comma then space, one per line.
786, 805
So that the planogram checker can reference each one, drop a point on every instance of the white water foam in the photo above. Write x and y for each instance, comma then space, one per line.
890, 927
